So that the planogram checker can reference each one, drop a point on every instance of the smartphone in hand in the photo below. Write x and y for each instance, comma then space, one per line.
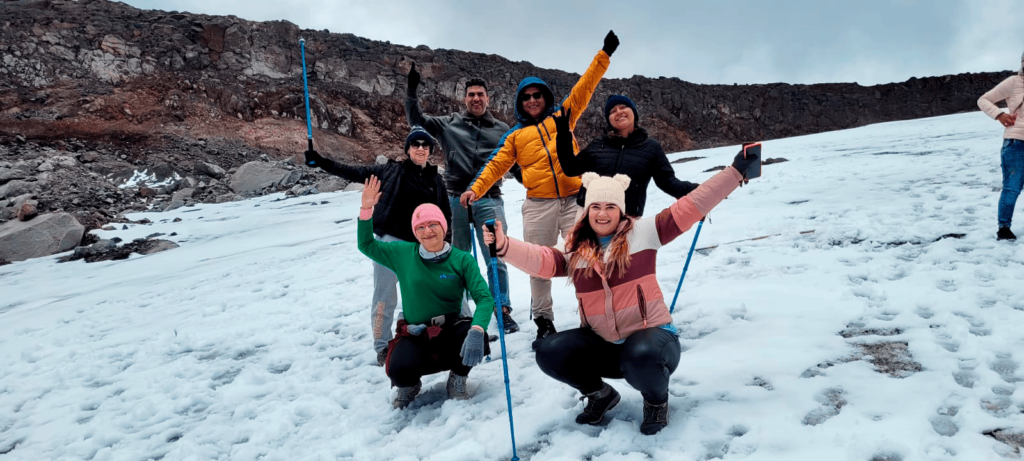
753, 149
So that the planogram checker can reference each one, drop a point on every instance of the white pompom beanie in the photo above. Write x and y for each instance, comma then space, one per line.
605, 189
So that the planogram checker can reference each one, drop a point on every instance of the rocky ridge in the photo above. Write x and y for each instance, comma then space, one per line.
107, 109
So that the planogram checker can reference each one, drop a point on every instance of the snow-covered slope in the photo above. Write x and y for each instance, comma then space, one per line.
251, 340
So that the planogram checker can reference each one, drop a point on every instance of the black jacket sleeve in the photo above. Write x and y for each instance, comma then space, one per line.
665, 177
445, 207
352, 173
572, 164
434, 125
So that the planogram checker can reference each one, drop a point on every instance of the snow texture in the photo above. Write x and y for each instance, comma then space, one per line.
252, 340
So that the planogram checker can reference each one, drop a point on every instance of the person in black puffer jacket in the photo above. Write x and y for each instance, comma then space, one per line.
404, 186
624, 149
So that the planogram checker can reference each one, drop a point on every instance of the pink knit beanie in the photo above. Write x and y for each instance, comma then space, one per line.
428, 212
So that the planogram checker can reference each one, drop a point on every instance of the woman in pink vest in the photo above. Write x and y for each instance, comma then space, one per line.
626, 330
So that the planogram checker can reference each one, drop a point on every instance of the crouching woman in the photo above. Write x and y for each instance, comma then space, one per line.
626, 330
432, 277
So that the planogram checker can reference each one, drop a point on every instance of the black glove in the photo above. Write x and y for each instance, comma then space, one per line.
413, 82
611, 42
314, 159
741, 163
563, 135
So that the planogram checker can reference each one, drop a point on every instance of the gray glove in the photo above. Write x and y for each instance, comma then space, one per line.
415, 330
473, 348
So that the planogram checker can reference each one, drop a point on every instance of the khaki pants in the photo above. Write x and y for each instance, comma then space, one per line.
544, 219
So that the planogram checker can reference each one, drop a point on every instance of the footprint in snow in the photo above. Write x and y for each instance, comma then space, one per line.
966, 377
977, 325
924, 312
832, 402
1006, 367
944, 339
719, 448
942, 422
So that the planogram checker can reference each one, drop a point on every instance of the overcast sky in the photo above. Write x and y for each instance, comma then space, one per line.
721, 42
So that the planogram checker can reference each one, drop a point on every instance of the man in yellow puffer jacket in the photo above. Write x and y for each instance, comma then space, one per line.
550, 207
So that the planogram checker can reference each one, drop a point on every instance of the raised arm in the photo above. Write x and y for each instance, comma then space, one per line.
579, 97
414, 115
369, 246
682, 214
572, 164
536, 260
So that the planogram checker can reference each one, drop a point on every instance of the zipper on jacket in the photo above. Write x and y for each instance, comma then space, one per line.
550, 162
642, 303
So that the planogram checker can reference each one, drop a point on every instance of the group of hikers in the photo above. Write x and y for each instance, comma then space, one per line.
417, 227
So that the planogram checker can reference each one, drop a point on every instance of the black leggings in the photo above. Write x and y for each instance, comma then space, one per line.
413, 357
580, 358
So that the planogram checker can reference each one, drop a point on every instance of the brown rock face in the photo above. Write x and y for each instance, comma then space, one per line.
92, 66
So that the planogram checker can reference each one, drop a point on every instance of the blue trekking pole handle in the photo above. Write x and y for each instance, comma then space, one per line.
686, 266
493, 249
305, 88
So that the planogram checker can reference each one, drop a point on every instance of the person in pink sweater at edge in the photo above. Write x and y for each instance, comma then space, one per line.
1010, 90
625, 328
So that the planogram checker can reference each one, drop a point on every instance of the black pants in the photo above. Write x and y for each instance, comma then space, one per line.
413, 357
580, 358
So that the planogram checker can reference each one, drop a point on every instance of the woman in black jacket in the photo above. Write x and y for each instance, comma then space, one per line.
624, 149
404, 186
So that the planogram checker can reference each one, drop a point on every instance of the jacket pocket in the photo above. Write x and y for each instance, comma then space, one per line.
642, 304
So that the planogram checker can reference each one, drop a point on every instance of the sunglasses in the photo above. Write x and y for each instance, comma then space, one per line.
528, 96
419, 145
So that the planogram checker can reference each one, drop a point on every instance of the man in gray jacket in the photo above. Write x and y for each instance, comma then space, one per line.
467, 138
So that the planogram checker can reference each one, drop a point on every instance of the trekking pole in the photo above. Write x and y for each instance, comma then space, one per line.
472, 231
493, 248
687, 265
305, 87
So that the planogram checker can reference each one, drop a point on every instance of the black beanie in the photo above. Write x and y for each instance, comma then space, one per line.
417, 134
617, 99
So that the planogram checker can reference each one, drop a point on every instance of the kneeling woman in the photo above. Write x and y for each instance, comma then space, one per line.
626, 330
432, 277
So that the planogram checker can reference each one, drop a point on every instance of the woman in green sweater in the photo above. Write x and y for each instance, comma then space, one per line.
432, 277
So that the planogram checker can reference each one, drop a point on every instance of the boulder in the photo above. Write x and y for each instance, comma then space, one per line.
18, 187
18, 172
253, 176
27, 210
89, 157
156, 246
353, 187
331, 184
47, 234
209, 169
179, 198
229, 197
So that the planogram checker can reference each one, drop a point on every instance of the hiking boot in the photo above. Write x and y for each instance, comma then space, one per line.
597, 405
382, 356
506, 319
405, 396
457, 388
655, 418
545, 328
1005, 234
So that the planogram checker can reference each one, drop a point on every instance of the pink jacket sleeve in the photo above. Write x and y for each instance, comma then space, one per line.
536, 260
689, 209
987, 102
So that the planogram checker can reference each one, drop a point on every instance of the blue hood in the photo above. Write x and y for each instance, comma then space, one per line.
549, 97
